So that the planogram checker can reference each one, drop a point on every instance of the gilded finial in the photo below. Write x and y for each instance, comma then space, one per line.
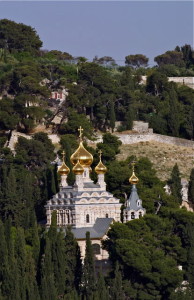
63, 156
80, 129
100, 154
133, 179
100, 168
63, 170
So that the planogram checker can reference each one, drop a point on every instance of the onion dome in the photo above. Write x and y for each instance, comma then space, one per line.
85, 158
133, 179
78, 169
63, 170
100, 168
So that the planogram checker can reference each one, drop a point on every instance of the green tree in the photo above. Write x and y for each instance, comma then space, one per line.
137, 60
13, 37
191, 187
175, 184
88, 276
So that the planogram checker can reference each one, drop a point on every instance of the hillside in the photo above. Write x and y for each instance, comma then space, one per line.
163, 157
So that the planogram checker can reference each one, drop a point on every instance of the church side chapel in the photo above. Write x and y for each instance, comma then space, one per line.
87, 206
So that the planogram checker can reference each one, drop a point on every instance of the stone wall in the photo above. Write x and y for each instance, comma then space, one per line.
188, 81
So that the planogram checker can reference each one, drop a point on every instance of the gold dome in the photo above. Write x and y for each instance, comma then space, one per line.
133, 179
85, 158
100, 168
78, 169
63, 170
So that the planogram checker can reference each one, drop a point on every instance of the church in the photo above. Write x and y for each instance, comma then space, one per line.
87, 206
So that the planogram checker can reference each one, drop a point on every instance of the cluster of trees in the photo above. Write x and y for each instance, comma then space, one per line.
99, 93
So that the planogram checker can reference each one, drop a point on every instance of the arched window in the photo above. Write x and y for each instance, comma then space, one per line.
140, 214
106, 215
132, 216
87, 218
96, 248
138, 203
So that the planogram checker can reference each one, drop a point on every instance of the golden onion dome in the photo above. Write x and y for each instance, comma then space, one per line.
85, 158
100, 168
133, 179
78, 169
63, 170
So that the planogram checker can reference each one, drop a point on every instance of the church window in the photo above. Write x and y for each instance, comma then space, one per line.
96, 248
138, 203
87, 218
140, 214
106, 215
132, 216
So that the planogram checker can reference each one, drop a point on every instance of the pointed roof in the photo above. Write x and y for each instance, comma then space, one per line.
134, 202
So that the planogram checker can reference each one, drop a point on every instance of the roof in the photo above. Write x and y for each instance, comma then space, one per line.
98, 230
134, 200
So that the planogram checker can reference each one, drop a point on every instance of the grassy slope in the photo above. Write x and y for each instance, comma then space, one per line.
163, 157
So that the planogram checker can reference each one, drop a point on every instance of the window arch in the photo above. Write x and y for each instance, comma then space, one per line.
87, 218
132, 215
106, 215
96, 248
140, 214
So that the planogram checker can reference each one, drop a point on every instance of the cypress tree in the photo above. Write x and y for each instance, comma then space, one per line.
117, 289
129, 118
173, 119
50, 183
101, 288
48, 290
88, 276
30, 278
191, 187
175, 184
20, 257
112, 117
4, 272
73, 262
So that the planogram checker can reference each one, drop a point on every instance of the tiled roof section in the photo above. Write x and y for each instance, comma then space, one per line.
99, 229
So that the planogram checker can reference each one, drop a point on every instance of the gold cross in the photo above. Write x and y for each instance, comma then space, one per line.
133, 163
100, 153
80, 129
63, 153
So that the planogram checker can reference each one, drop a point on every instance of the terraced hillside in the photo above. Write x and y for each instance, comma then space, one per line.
162, 156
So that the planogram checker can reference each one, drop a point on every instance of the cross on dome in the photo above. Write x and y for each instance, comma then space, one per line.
80, 129
63, 155
100, 153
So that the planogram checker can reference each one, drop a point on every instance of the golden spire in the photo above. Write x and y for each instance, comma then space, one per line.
78, 169
133, 179
85, 158
100, 168
63, 170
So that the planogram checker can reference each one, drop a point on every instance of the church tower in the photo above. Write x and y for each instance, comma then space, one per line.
86, 205
134, 208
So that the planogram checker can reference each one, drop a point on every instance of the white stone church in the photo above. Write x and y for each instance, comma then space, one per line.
86, 205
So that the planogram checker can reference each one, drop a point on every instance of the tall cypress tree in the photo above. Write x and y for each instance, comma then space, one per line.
88, 276
73, 262
175, 184
4, 272
112, 117
47, 287
116, 288
191, 187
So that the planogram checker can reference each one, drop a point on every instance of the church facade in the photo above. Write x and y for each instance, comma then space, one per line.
87, 206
